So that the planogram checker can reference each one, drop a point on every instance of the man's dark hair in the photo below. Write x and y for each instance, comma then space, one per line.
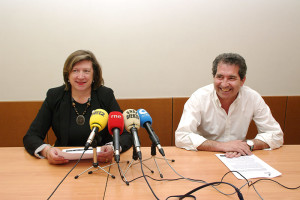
232, 59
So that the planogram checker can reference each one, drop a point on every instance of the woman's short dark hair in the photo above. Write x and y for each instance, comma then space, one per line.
78, 56
232, 59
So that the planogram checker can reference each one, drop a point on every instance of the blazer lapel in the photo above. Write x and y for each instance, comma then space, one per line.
95, 102
65, 118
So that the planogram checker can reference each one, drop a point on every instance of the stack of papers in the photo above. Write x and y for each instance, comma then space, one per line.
75, 153
249, 166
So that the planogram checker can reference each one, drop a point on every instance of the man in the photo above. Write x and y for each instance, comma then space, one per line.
217, 116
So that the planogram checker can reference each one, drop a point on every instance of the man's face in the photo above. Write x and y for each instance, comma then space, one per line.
227, 82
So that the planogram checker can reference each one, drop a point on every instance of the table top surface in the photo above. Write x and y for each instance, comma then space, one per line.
26, 177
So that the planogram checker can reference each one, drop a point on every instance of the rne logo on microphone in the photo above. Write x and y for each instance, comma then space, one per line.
116, 116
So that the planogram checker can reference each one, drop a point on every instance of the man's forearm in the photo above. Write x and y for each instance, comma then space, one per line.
238, 146
258, 144
210, 145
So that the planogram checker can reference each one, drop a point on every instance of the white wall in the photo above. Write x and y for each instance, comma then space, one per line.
148, 48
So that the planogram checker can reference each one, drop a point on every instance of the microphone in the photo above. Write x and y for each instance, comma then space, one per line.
132, 124
146, 122
115, 128
98, 121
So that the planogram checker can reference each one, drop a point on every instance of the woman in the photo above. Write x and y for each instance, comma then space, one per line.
67, 109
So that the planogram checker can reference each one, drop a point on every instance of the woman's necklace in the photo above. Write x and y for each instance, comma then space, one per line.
80, 119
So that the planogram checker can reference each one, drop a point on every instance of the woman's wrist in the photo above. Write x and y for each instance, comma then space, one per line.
47, 151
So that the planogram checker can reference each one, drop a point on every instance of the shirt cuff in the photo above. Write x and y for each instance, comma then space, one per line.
272, 141
39, 149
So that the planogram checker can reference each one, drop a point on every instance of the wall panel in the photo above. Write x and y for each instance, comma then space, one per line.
292, 122
16, 118
160, 111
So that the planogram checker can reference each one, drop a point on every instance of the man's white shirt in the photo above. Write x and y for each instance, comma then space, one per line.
203, 119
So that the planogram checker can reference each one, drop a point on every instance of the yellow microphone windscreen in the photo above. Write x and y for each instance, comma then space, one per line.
98, 119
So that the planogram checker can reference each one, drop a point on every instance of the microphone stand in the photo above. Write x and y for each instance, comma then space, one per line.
95, 162
134, 158
153, 155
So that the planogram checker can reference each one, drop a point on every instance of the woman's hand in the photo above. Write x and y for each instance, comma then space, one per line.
106, 154
54, 155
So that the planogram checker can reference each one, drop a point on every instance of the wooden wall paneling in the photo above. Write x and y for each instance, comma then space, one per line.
277, 105
16, 118
178, 104
160, 110
292, 122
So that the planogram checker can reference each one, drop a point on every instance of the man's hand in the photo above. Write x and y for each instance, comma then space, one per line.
236, 148
232, 149
232, 154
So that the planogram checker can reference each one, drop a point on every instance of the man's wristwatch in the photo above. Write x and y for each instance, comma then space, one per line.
250, 143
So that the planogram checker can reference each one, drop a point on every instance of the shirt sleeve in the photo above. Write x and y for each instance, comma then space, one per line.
186, 135
38, 129
269, 130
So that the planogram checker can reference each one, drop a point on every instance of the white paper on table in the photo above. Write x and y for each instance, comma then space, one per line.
75, 153
249, 166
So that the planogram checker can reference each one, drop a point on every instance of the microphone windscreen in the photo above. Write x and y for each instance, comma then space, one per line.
115, 120
98, 119
144, 117
131, 119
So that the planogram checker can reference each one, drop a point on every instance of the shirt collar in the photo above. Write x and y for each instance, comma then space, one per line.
217, 100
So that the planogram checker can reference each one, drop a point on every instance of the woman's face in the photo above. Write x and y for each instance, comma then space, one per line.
81, 76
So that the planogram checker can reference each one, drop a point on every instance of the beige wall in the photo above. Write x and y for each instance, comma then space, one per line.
148, 48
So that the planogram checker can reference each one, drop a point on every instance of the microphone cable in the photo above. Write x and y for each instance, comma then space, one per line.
147, 180
265, 179
189, 179
193, 180
237, 190
66, 176
144, 176
175, 179
249, 183
213, 184
209, 184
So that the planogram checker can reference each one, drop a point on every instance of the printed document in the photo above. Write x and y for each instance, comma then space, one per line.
249, 166
75, 153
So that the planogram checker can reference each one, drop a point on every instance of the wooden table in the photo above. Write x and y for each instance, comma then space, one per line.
25, 177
